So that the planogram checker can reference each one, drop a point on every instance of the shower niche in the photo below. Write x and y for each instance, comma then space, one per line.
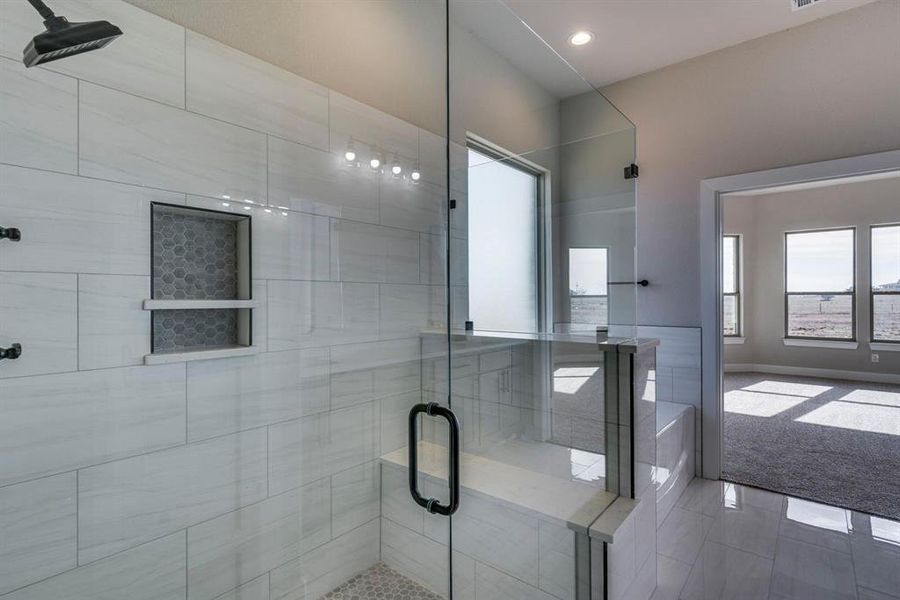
201, 303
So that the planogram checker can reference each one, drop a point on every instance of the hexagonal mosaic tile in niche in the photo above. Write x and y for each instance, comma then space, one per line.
195, 255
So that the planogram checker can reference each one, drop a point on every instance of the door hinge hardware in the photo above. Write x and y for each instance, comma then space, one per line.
631, 171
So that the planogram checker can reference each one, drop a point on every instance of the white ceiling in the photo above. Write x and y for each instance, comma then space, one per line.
631, 36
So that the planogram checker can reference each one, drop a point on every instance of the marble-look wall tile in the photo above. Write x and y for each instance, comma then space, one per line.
396, 502
491, 584
113, 328
260, 315
233, 394
291, 246
313, 181
433, 260
418, 207
72, 224
129, 139
239, 546
38, 310
233, 86
426, 561
370, 128
37, 519
492, 533
420, 558
321, 570
39, 125
317, 446
258, 589
364, 372
557, 560
305, 314
355, 497
107, 414
147, 61
410, 309
152, 571
394, 424
371, 253
127, 502
286, 244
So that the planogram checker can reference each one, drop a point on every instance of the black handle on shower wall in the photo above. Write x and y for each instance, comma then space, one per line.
642, 283
11, 353
431, 504
10, 233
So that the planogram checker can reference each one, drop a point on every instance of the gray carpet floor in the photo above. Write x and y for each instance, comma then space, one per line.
831, 441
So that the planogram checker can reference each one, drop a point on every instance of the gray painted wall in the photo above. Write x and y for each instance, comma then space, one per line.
826, 90
762, 221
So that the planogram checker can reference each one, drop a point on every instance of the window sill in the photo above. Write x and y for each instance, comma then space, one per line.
731, 340
837, 345
885, 346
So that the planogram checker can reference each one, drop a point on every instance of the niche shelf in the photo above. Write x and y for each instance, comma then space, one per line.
201, 305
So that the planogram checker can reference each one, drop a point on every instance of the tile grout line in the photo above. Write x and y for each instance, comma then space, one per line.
202, 197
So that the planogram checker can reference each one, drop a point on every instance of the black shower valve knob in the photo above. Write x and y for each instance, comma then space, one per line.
10, 233
11, 353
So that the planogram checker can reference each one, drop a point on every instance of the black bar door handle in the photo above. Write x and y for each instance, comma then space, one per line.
431, 504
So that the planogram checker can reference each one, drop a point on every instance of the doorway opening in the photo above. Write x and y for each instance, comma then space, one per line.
810, 338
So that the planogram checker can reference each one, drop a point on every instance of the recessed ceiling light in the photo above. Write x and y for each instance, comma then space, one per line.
580, 38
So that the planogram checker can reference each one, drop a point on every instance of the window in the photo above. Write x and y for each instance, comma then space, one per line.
820, 293
731, 285
503, 231
588, 281
885, 283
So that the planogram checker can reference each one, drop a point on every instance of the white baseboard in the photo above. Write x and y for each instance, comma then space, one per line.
811, 372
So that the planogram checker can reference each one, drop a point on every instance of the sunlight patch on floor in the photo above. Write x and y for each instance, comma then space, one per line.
873, 397
757, 404
860, 417
787, 388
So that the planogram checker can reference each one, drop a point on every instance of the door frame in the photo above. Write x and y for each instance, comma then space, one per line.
711, 231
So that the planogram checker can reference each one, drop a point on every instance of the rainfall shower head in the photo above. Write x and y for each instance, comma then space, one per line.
64, 39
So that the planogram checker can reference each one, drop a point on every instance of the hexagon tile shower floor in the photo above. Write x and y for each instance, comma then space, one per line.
381, 583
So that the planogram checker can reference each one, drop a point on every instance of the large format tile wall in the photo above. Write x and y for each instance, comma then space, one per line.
678, 371
252, 477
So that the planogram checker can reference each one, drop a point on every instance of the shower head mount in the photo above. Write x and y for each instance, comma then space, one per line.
63, 39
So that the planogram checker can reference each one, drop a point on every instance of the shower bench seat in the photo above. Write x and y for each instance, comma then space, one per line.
572, 504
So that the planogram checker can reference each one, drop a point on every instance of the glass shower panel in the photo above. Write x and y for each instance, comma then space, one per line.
220, 410
537, 398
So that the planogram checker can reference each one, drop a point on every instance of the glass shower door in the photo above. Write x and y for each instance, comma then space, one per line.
227, 251
540, 276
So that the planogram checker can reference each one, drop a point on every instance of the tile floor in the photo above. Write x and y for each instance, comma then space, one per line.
381, 583
725, 541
